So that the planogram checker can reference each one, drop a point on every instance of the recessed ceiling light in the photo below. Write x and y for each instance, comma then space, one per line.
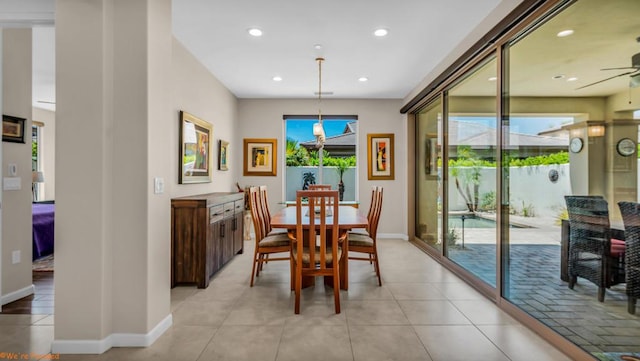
559, 76
381, 32
277, 78
564, 33
363, 79
317, 46
492, 78
573, 78
255, 32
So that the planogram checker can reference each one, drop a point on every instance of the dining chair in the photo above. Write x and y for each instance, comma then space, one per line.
266, 213
315, 250
366, 242
265, 244
593, 254
319, 187
631, 218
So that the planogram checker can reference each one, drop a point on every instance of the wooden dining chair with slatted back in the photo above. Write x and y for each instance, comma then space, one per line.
315, 250
264, 199
360, 242
265, 244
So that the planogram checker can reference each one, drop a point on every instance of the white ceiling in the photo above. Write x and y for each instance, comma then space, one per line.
422, 33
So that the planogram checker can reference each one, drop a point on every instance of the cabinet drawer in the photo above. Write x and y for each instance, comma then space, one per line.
228, 209
216, 213
239, 207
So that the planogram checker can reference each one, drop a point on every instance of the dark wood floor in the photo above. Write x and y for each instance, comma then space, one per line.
39, 303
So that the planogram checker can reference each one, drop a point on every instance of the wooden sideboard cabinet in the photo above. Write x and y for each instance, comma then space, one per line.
206, 232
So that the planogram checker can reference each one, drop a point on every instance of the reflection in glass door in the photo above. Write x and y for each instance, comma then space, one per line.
471, 202
429, 175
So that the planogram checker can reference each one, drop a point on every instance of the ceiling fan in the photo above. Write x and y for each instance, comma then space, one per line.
633, 73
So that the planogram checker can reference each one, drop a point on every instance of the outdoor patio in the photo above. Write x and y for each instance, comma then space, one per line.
534, 285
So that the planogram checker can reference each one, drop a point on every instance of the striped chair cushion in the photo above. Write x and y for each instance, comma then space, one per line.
360, 240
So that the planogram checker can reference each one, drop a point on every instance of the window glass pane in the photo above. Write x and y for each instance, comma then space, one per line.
571, 101
339, 165
471, 211
429, 175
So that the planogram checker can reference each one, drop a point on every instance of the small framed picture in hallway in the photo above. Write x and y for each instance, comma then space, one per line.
12, 129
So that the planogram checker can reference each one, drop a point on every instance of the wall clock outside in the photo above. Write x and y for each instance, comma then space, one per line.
626, 147
576, 145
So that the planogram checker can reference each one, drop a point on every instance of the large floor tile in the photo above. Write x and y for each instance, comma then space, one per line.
483, 312
375, 313
415, 291
521, 344
458, 343
434, 312
315, 343
373, 343
242, 343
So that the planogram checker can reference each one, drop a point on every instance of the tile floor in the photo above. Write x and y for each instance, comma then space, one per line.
422, 312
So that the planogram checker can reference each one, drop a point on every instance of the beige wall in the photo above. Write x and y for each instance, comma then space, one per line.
198, 92
47, 152
262, 118
16, 205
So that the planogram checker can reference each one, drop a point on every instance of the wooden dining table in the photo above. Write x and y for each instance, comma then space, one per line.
348, 218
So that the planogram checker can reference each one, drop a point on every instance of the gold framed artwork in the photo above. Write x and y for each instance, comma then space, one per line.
12, 129
380, 156
223, 152
260, 157
196, 159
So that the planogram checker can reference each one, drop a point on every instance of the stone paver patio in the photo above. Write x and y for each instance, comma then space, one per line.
534, 285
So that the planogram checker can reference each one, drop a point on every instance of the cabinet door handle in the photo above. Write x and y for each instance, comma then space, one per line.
235, 224
222, 230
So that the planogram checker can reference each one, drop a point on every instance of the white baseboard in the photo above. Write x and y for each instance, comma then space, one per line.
113, 340
16, 295
401, 236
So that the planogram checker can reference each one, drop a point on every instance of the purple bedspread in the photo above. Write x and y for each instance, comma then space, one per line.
43, 216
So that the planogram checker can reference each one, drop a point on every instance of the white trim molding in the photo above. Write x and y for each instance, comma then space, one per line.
16, 295
113, 340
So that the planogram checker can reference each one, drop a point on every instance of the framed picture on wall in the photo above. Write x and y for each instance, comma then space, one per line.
380, 156
196, 164
260, 157
223, 151
12, 129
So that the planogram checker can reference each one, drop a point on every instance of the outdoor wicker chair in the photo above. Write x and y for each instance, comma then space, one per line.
593, 255
631, 218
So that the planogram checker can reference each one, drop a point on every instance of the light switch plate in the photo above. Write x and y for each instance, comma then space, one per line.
12, 183
15, 257
158, 185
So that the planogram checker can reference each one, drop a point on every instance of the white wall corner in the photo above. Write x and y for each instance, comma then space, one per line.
113, 340
16, 295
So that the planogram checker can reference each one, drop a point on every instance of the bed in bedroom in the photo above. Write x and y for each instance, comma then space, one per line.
43, 219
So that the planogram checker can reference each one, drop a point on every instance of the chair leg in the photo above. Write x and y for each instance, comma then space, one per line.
336, 287
631, 305
572, 281
377, 267
601, 291
298, 289
253, 268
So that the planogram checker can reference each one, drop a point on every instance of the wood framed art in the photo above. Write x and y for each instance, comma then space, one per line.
223, 151
12, 129
260, 158
380, 156
196, 160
